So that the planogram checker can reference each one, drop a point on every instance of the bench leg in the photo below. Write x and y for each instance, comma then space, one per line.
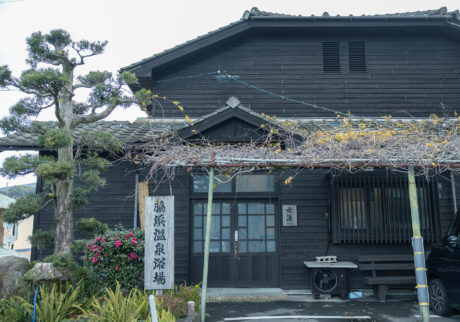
382, 292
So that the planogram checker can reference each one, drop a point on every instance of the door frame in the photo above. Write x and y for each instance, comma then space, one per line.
234, 197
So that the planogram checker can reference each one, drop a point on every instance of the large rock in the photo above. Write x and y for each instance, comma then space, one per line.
12, 269
42, 272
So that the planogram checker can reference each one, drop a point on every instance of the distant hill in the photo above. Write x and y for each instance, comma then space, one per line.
18, 191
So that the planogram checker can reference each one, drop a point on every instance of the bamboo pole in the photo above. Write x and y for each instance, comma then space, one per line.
419, 253
143, 191
454, 193
206, 245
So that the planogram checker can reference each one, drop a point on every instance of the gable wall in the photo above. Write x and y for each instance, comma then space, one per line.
407, 76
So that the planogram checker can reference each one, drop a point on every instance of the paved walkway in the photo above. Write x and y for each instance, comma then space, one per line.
394, 310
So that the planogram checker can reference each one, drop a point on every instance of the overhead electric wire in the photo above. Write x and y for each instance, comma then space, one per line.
186, 77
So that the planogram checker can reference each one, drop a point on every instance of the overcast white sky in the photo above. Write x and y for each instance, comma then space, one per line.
137, 29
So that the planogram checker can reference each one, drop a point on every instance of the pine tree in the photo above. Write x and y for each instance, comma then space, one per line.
50, 83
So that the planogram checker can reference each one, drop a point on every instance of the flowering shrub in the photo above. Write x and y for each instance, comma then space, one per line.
117, 255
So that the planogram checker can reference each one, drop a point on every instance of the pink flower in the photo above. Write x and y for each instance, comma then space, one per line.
133, 241
109, 269
87, 245
97, 254
100, 248
116, 268
94, 260
134, 256
131, 234
128, 258
98, 238
94, 246
117, 243
116, 238
126, 236
102, 240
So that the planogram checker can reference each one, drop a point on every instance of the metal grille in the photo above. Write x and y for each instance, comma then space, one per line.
331, 57
376, 210
357, 56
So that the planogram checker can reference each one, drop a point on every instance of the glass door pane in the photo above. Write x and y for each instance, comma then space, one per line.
220, 227
256, 227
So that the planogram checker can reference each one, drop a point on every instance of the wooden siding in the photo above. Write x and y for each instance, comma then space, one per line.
114, 205
309, 190
406, 76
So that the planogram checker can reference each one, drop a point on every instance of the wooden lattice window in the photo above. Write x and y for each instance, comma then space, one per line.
331, 57
376, 209
357, 57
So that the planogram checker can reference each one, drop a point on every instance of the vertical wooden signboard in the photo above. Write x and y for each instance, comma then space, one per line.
289, 215
159, 243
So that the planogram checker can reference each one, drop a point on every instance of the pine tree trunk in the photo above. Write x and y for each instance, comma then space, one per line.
64, 199
63, 212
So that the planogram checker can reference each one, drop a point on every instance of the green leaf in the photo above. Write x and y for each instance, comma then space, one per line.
5, 76
45, 81
91, 226
101, 141
55, 138
56, 170
42, 239
19, 166
128, 78
96, 162
95, 77
93, 178
23, 208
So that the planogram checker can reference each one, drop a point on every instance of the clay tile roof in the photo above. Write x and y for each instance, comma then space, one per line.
129, 133
425, 13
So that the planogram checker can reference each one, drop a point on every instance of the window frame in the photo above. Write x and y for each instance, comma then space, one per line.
390, 223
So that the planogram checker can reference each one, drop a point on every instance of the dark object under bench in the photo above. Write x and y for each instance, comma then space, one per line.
388, 270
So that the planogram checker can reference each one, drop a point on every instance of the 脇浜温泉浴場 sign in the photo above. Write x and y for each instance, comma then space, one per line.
159, 243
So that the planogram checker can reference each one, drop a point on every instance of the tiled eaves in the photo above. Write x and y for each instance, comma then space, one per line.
144, 130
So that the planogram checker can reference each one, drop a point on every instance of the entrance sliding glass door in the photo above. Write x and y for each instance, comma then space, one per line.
243, 246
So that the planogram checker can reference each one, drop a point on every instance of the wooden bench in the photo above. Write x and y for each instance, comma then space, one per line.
387, 270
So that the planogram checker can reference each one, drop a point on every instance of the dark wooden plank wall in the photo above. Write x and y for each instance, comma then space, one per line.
114, 205
309, 190
407, 76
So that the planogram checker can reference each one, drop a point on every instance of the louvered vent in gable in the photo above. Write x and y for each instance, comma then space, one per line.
331, 57
357, 56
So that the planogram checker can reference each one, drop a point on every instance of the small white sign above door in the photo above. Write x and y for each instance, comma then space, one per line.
289, 215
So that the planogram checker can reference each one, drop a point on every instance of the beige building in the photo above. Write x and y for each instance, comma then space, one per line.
15, 236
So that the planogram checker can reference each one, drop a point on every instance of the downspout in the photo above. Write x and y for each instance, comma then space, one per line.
135, 201
454, 193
